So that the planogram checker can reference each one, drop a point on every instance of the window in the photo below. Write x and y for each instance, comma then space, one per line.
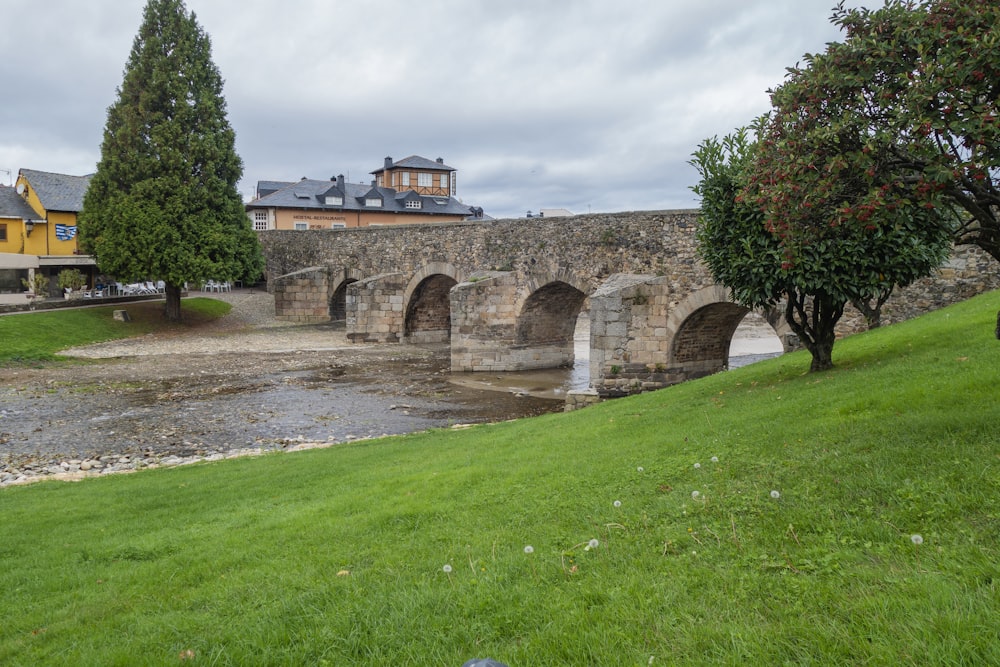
425, 180
260, 221
445, 182
301, 226
3, 232
413, 203
338, 225
374, 202
334, 201
405, 176
378, 180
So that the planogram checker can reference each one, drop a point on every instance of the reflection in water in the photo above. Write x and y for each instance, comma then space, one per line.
753, 341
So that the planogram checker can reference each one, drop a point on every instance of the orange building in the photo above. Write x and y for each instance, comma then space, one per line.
412, 191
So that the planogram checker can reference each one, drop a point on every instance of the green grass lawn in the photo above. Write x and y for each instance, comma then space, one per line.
764, 516
38, 336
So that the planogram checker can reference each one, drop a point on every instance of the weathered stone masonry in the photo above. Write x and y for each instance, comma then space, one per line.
506, 293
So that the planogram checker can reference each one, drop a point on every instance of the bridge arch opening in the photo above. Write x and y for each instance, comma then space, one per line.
755, 339
428, 312
701, 344
338, 301
548, 323
722, 335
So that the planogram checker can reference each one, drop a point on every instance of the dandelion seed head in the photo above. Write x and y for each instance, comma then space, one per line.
447, 568
593, 544
640, 468
715, 459
697, 465
617, 503
694, 495
529, 549
775, 495
917, 539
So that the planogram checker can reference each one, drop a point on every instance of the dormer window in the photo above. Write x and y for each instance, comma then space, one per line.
413, 203
373, 202
333, 200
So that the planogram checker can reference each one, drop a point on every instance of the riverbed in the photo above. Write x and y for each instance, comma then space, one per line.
249, 382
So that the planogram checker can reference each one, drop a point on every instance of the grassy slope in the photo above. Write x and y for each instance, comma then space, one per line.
336, 556
37, 336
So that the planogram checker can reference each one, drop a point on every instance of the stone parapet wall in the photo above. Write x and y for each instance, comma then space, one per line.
591, 246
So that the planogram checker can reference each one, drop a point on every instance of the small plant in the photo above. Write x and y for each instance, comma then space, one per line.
608, 237
615, 369
38, 287
71, 279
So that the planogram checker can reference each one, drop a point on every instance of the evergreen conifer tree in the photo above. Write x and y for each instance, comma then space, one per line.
163, 204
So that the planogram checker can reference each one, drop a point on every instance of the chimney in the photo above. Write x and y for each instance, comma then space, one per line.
340, 182
440, 160
388, 163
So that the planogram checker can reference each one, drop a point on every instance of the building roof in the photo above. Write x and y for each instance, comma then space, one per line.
264, 188
13, 206
309, 194
58, 192
416, 162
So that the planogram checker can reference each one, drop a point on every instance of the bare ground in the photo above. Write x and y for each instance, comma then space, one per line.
244, 380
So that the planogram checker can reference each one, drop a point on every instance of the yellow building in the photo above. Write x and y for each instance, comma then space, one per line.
38, 225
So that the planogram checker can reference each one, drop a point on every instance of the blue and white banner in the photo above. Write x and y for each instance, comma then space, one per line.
65, 232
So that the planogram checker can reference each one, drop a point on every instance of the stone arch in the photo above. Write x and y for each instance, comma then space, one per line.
428, 304
547, 321
339, 280
536, 281
701, 329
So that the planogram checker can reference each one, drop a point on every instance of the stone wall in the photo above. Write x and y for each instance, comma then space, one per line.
593, 246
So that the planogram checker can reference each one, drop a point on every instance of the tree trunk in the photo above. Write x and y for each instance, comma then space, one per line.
172, 311
873, 311
814, 320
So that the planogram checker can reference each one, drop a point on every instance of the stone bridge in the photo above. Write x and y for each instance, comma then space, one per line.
506, 293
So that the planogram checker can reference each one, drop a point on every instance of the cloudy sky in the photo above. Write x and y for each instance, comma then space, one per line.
588, 105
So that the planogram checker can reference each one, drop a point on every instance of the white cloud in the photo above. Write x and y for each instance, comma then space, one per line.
537, 103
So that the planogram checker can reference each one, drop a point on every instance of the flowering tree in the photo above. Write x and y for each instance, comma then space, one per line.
843, 180
921, 83
768, 248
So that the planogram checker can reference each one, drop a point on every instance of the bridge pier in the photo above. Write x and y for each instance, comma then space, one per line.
376, 310
483, 321
302, 296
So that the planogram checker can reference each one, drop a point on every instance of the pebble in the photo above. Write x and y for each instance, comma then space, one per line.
75, 469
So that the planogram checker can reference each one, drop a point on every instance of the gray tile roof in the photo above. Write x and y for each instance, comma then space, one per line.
309, 194
264, 188
417, 162
58, 192
12, 206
